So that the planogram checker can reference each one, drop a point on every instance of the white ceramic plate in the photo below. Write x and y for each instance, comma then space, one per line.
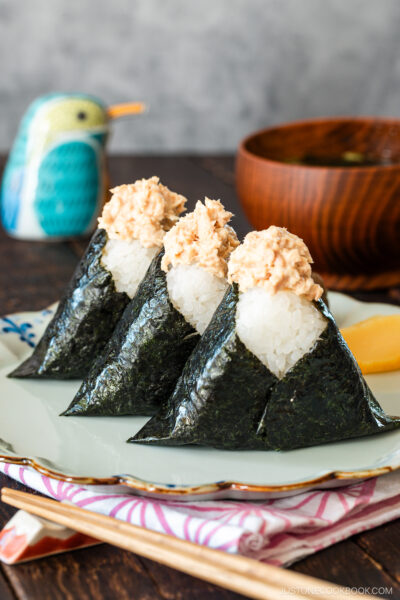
93, 451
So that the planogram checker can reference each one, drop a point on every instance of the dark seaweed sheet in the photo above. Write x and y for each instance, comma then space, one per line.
323, 398
143, 359
221, 394
83, 323
227, 399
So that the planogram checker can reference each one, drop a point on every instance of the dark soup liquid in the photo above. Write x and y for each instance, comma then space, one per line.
347, 159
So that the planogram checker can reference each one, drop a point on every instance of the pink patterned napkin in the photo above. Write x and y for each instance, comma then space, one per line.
277, 531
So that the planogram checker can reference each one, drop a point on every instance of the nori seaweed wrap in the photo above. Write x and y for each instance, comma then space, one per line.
272, 370
323, 398
84, 321
228, 399
144, 357
162, 324
130, 234
220, 397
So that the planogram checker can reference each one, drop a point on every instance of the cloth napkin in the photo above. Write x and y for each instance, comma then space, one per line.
279, 531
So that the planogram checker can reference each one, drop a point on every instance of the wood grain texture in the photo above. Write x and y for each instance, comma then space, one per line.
348, 217
32, 275
47, 268
383, 545
6, 590
348, 565
165, 580
99, 573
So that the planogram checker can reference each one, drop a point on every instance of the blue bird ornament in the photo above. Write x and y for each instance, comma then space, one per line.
54, 183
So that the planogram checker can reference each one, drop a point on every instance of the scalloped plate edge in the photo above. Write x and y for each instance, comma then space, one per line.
229, 489
226, 489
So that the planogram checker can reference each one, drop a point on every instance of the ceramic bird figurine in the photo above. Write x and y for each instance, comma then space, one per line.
54, 181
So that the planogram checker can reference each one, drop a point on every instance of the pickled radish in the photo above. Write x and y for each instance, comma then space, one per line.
375, 343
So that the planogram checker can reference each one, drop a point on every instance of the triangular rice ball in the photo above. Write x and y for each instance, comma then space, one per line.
84, 321
221, 394
228, 399
144, 357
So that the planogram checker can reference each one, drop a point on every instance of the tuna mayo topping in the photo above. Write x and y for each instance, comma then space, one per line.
201, 237
275, 260
143, 210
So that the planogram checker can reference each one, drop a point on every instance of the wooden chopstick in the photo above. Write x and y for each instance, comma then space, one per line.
236, 573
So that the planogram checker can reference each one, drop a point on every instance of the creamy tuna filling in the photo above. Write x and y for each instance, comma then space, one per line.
279, 329
195, 293
127, 261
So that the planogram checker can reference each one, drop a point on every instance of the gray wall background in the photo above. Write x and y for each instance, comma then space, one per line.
211, 70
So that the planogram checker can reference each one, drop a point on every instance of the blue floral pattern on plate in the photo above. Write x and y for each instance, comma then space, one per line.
21, 329
24, 329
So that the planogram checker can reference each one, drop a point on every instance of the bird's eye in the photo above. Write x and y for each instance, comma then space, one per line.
81, 115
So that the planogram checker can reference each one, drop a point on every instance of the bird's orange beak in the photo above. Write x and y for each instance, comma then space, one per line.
123, 110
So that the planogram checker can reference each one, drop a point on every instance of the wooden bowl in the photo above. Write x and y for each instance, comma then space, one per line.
349, 216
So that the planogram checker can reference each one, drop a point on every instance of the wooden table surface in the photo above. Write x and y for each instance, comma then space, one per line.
33, 275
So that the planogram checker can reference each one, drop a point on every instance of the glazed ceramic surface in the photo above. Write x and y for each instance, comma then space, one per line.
93, 450
54, 181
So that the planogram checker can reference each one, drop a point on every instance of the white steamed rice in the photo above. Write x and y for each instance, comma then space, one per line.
127, 261
196, 293
278, 329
